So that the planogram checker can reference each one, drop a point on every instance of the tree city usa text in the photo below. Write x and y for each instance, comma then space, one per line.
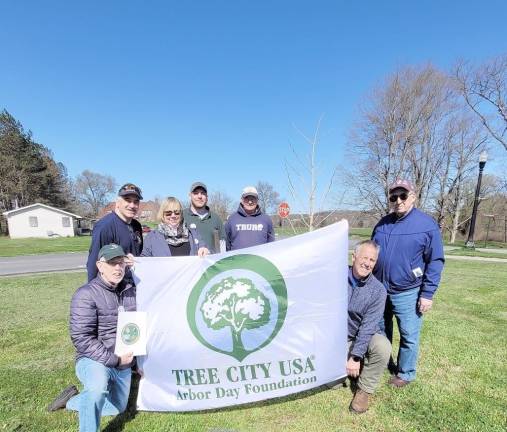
243, 374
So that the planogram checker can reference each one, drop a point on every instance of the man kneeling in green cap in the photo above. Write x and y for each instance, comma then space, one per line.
93, 320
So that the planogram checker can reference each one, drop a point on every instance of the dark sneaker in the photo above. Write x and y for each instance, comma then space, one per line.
63, 398
359, 404
396, 381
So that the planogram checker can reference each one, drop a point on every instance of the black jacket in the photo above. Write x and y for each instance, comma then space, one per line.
94, 317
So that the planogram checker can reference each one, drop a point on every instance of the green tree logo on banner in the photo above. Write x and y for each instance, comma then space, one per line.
238, 305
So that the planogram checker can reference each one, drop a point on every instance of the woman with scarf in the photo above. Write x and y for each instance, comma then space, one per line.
172, 237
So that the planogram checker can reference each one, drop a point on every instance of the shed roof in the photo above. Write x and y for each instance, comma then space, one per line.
31, 206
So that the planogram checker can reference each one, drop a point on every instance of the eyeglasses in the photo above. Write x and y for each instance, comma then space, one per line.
171, 212
403, 196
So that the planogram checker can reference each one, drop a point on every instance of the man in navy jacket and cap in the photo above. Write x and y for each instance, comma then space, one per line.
410, 264
118, 227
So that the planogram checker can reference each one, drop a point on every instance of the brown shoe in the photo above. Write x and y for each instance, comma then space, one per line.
397, 382
359, 404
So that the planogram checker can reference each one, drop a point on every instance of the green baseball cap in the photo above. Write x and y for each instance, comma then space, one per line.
110, 251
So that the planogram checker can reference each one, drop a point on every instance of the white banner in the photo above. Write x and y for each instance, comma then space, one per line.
243, 326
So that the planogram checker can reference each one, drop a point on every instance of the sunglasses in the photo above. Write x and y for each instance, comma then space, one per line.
171, 212
403, 196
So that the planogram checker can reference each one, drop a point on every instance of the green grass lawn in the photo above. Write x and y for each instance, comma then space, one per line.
461, 386
33, 246
359, 233
287, 231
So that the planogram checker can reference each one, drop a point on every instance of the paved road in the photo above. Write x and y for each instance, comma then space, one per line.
77, 261
53, 262
42, 263
493, 250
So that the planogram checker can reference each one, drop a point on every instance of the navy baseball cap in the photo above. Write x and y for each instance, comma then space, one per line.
130, 189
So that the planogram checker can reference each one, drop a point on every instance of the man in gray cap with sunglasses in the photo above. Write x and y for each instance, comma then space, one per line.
409, 265
118, 227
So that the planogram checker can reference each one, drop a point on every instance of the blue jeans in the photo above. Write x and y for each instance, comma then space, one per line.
106, 392
404, 307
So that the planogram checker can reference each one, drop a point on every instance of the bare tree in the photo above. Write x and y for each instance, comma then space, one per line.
268, 197
303, 176
221, 204
484, 89
465, 140
93, 190
403, 132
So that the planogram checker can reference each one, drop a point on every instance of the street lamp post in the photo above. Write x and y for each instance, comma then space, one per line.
482, 162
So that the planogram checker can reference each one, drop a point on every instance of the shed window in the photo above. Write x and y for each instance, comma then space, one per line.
66, 221
32, 220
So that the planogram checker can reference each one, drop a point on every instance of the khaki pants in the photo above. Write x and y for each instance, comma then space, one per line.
374, 363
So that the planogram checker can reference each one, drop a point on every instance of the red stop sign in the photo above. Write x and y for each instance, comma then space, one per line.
283, 210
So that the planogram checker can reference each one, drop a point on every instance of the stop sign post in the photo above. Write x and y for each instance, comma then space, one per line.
283, 210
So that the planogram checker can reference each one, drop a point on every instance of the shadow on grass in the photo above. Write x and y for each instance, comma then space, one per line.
274, 401
118, 423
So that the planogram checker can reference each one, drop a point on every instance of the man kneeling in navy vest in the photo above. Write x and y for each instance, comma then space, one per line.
369, 350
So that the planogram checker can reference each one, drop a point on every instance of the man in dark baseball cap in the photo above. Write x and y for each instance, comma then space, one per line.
110, 251
199, 216
118, 227
130, 189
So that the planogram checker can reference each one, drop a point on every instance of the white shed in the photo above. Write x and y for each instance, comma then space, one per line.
40, 220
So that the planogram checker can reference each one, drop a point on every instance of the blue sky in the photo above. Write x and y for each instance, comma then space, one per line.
163, 93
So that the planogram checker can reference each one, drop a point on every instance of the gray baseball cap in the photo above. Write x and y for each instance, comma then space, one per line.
249, 191
198, 185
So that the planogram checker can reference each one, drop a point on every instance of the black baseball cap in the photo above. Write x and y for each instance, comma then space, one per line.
130, 189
